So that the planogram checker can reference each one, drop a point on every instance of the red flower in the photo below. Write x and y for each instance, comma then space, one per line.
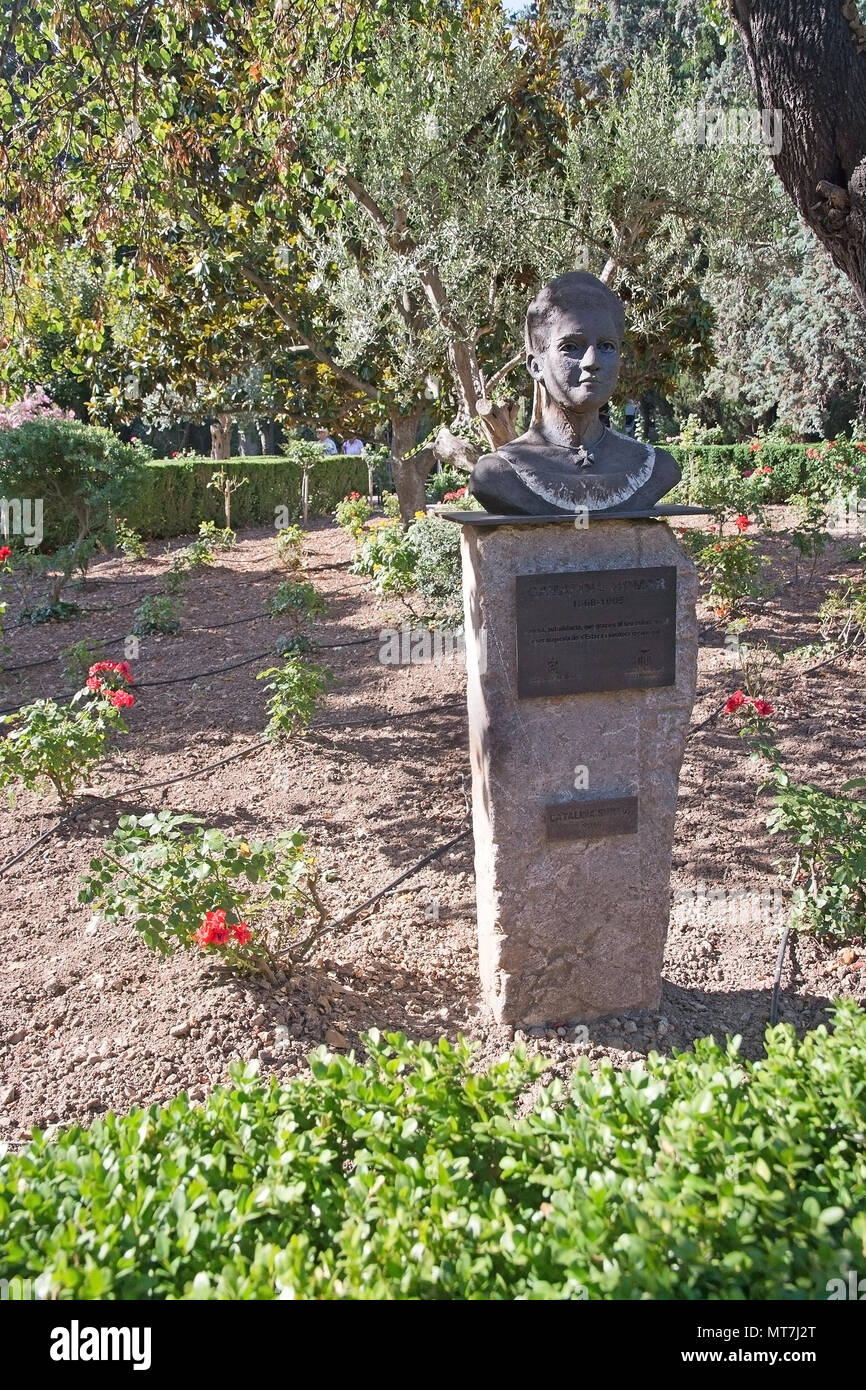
749, 474
742, 523
5, 552
243, 935
121, 699
736, 700
762, 708
754, 447
213, 930
352, 497
121, 667
766, 468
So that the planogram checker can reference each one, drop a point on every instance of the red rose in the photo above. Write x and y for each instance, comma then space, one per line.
213, 930
734, 703
742, 523
762, 708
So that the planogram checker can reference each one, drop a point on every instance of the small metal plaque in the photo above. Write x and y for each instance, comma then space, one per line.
596, 630
593, 818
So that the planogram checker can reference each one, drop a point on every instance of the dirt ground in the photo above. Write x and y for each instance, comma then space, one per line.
91, 1020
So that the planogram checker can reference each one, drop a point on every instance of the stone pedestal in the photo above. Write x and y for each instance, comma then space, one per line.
574, 793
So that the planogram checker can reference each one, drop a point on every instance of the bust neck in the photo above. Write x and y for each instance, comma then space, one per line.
568, 429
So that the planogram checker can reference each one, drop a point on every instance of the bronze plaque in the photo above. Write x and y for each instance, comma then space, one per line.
596, 630
592, 818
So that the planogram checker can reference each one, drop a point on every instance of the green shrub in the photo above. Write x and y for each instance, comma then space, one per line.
299, 602
172, 496
438, 570
352, 513
77, 659
58, 744
255, 905
731, 566
387, 556
297, 687
829, 838
743, 477
412, 1175
128, 541
63, 611
439, 483
83, 473
156, 613
290, 547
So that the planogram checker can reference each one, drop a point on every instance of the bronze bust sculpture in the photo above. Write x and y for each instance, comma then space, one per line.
568, 460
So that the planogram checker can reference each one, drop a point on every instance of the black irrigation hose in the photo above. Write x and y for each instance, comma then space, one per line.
777, 979
349, 917
454, 708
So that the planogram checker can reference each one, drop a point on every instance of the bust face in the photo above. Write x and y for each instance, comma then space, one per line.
579, 364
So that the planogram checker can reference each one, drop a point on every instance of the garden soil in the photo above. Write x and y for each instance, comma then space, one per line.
91, 1020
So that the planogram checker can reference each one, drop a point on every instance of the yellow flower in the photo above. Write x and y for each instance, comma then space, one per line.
421, 514
244, 849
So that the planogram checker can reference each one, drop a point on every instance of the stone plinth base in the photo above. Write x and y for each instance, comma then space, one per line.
573, 900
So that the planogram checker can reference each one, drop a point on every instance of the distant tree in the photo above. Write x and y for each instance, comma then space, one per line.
789, 342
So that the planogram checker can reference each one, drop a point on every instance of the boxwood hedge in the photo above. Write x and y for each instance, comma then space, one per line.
411, 1176
174, 496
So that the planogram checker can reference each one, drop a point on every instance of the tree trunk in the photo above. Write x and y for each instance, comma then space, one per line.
221, 436
498, 420
808, 64
410, 474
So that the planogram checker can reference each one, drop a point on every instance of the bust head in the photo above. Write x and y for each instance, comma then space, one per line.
574, 332
569, 459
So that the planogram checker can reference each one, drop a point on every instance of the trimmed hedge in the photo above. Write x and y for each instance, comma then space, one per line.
174, 495
410, 1176
169, 497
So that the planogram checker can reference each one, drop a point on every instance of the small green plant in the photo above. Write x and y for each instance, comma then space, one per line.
127, 540
438, 569
77, 659
290, 546
297, 687
57, 744
353, 513
301, 603
842, 615
828, 833
255, 905
810, 536
439, 483
156, 613
386, 555
293, 646
732, 566
61, 612
215, 538
391, 505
